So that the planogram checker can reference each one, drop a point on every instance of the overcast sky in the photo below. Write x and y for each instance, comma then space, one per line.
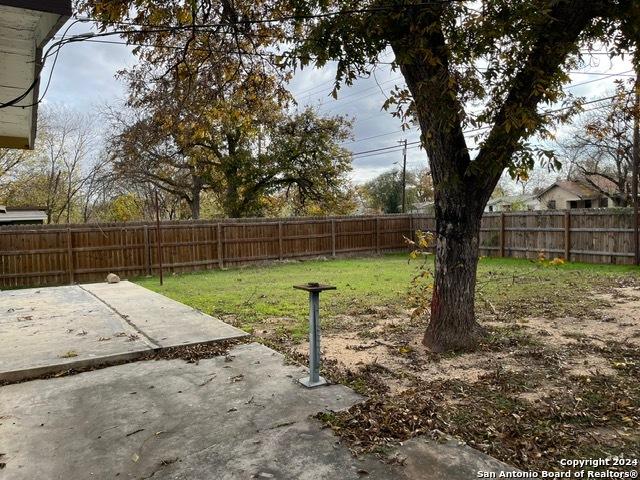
85, 77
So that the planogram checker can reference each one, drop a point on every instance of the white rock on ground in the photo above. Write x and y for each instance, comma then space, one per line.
113, 278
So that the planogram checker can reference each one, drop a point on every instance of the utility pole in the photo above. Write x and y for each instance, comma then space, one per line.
636, 162
404, 175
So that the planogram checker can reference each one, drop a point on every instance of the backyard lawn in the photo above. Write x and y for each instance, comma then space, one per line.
251, 296
558, 375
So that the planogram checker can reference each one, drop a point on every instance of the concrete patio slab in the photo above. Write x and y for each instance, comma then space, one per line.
240, 416
48, 330
428, 459
235, 417
164, 322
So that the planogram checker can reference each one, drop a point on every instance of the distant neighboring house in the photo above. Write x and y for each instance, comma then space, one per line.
425, 208
568, 194
512, 203
22, 215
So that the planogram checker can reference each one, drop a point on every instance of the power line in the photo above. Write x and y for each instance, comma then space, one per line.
174, 47
398, 150
373, 136
382, 149
333, 104
395, 148
402, 131
321, 86
578, 72
36, 80
595, 80
596, 100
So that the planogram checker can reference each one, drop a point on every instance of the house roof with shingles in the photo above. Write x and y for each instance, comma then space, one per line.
511, 199
578, 189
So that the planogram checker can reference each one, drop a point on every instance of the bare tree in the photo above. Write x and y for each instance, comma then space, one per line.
536, 180
10, 159
600, 147
68, 146
101, 186
55, 174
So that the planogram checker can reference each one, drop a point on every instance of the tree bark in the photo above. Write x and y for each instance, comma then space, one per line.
453, 325
196, 194
231, 202
194, 205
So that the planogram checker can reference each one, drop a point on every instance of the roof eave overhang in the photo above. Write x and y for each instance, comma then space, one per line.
58, 7
62, 9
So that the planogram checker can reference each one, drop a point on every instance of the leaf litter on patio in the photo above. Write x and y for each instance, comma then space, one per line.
188, 353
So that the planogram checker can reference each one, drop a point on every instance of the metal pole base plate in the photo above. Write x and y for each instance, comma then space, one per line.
307, 382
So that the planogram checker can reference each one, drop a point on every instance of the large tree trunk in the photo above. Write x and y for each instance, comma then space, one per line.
462, 186
194, 205
453, 325
459, 205
231, 204
197, 184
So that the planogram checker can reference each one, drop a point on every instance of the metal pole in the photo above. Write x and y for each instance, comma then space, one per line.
314, 338
314, 379
159, 238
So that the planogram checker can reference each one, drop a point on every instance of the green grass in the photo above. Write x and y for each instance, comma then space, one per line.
256, 293
253, 294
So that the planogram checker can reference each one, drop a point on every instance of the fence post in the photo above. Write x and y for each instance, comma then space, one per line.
378, 235
194, 247
411, 229
502, 235
212, 245
125, 250
160, 253
70, 256
280, 239
147, 251
220, 247
333, 238
567, 235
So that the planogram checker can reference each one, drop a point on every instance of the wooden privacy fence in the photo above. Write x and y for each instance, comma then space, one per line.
586, 235
62, 254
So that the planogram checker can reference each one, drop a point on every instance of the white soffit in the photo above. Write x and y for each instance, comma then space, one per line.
25, 27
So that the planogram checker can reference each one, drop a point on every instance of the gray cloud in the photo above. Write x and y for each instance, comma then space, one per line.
84, 75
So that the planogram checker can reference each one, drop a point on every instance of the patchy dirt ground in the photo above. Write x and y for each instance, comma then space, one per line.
543, 385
